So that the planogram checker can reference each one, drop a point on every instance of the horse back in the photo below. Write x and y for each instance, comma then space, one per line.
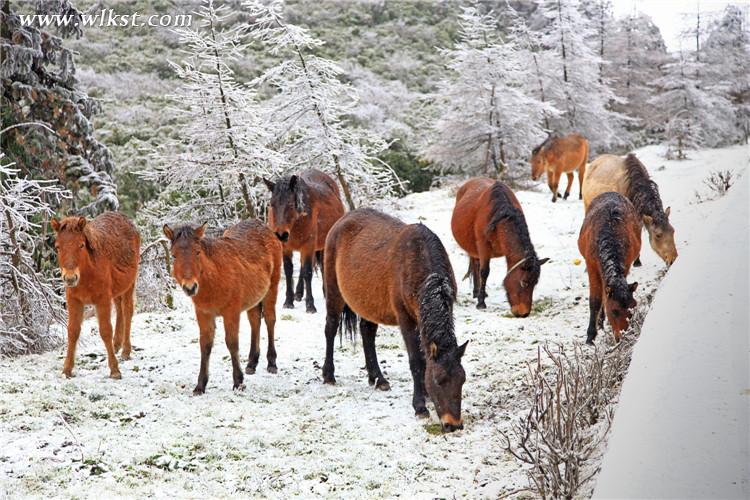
325, 207
606, 173
567, 153
610, 211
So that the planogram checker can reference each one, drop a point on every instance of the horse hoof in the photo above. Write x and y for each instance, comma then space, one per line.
422, 413
272, 369
329, 380
198, 391
297, 297
481, 306
383, 385
115, 375
68, 374
590, 341
288, 305
565, 197
238, 387
311, 310
250, 370
125, 357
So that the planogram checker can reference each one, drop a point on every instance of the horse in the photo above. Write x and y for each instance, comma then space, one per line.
302, 210
558, 156
99, 265
488, 222
225, 276
610, 240
629, 177
382, 271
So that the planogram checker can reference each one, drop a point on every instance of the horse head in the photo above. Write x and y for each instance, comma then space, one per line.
661, 236
72, 247
289, 202
187, 253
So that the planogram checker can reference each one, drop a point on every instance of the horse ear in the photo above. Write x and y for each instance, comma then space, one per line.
270, 185
55, 223
168, 232
201, 230
462, 349
667, 211
648, 220
81, 223
633, 286
433, 351
543, 261
292, 183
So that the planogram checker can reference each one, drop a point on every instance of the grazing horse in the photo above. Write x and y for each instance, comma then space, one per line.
558, 156
488, 222
302, 210
99, 264
224, 276
610, 240
629, 177
386, 272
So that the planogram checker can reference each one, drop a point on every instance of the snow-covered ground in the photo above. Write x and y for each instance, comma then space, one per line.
288, 434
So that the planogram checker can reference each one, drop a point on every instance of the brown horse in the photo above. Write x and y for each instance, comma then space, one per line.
224, 276
390, 273
610, 240
302, 210
488, 222
558, 156
629, 177
99, 264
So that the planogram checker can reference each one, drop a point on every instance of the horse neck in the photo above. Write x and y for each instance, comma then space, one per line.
210, 270
611, 256
516, 243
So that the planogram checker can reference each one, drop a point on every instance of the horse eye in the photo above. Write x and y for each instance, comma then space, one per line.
82, 245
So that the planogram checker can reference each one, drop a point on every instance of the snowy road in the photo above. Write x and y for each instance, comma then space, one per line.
288, 434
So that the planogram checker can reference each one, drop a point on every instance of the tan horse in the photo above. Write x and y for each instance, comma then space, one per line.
630, 178
558, 156
99, 264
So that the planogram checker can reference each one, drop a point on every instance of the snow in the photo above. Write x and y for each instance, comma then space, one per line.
681, 427
290, 435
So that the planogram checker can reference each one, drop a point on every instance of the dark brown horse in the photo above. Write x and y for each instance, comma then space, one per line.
488, 222
224, 276
302, 210
558, 156
99, 264
386, 272
629, 177
610, 241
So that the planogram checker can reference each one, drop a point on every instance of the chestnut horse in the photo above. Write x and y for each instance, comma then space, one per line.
610, 240
488, 222
99, 264
386, 272
224, 276
302, 210
558, 156
629, 177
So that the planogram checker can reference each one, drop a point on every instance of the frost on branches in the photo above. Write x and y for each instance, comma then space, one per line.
212, 172
30, 300
310, 107
486, 116
37, 78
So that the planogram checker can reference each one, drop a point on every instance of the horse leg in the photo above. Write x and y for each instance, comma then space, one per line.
595, 303
375, 377
104, 317
253, 316
207, 329
319, 257
484, 273
289, 275
416, 363
269, 316
307, 273
128, 308
552, 181
232, 338
300, 291
334, 307
75, 318
570, 183
117, 342
581, 173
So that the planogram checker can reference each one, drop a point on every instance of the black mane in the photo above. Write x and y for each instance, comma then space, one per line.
611, 256
504, 210
539, 147
642, 191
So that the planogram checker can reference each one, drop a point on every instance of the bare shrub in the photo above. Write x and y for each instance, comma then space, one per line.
154, 286
718, 183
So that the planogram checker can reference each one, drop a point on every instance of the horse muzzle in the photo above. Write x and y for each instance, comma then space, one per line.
283, 237
450, 424
190, 289
71, 279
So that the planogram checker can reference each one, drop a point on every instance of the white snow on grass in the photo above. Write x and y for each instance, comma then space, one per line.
288, 434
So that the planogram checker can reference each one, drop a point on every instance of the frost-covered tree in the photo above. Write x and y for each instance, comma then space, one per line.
727, 57
212, 171
572, 76
312, 107
485, 116
30, 300
38, 85
694, 115
599, 14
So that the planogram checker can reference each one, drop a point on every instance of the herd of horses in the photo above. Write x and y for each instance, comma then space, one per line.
376, 269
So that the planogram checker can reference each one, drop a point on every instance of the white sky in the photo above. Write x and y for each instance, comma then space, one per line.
670, 15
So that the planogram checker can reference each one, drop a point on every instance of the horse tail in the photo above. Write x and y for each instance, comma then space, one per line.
318, 261
349, 323
469, 274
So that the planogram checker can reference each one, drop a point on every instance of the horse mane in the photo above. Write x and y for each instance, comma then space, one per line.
187, 232
611, 255
504, 210
436, 296
540, 146
642, 191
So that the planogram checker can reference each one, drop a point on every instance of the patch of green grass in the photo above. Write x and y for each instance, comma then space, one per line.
287, 317
434, 429
541, 305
